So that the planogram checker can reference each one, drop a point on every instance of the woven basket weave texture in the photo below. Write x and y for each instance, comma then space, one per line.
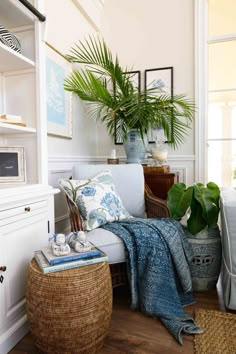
219, 332
69, 311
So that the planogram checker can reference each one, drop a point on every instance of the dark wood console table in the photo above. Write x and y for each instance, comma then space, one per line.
159, 182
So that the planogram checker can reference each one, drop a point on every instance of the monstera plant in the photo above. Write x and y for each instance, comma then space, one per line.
201, 204
115, 101
199, 200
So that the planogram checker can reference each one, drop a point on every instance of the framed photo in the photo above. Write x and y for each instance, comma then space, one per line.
59, 101
135, 77
12, 164
162, 79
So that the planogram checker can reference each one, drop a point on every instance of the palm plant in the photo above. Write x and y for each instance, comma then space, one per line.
114, 100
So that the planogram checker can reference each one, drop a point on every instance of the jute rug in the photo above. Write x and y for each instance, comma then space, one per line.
219, 335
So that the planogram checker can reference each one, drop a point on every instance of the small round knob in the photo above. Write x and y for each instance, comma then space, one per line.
3, 268
27, 209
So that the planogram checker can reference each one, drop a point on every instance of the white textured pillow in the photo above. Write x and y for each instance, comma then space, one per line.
96, 199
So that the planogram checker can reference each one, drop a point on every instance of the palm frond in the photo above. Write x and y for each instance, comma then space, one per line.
114, 100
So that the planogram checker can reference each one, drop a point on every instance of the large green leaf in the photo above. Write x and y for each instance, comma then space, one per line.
195, 222
202, 200
179, 199
208, 198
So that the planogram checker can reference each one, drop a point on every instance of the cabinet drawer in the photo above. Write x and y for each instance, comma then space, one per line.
23, 210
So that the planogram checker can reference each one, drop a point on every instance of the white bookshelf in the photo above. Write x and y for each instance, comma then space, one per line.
9, 129
12, 60
26, 206
15, 14
22, 87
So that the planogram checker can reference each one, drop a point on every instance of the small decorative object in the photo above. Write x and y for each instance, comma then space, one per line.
160, 154
113, 160
9, 39
78, 241
200, 205
59, 246
12, 164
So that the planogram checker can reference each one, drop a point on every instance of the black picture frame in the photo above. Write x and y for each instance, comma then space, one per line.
162, 78
12, 164
136, 79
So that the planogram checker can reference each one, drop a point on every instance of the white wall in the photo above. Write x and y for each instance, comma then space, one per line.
65, 26
144, 34
153, 34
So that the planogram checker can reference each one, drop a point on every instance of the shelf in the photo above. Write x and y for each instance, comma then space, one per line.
10, 60
8, 129
14, 14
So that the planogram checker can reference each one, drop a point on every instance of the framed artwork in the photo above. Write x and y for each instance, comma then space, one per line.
162, 79
59, 101
135, 77
12, 164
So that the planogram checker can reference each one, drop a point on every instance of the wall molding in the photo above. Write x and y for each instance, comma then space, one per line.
182, 173
201, 89
103, 159
60, 166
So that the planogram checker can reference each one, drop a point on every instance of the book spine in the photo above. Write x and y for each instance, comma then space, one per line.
70, 265
60, 260
39, 259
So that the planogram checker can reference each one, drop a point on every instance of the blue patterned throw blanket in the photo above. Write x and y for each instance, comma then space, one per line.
158, 256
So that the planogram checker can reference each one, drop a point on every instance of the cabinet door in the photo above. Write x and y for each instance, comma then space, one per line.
18, 241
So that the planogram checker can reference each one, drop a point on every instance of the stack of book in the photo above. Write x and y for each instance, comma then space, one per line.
12, 119
49, 263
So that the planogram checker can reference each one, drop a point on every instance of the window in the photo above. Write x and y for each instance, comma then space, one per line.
221, 112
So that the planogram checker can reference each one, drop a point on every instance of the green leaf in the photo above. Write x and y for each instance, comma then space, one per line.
195, 222
208, 198
202, 200
179, 199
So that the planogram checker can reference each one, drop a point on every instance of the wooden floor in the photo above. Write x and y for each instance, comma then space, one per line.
132, 332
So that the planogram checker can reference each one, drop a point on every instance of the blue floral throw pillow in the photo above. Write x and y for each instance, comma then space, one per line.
96, 199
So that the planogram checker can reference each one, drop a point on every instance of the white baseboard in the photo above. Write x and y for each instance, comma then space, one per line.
13, 335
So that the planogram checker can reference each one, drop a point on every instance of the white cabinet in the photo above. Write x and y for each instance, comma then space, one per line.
26, 223
22, 88
26, 211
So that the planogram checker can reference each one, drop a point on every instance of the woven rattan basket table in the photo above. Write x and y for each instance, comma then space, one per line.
69, 311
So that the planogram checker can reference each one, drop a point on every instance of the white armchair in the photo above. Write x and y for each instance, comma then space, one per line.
137, 199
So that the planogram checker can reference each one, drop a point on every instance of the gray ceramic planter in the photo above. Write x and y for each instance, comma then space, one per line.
207, 256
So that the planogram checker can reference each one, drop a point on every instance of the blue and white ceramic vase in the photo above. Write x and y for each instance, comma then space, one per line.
135, 147
206, 262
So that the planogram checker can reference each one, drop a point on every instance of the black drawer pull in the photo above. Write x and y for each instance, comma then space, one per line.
27, 209
3, 268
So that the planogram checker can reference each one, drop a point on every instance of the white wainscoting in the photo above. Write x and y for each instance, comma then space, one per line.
62, 167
